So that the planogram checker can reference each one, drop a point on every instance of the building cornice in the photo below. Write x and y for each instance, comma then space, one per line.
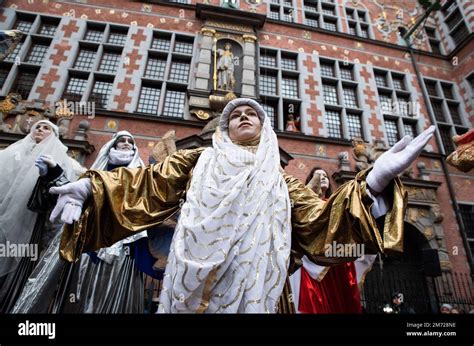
218, 9
375, 42
205, 12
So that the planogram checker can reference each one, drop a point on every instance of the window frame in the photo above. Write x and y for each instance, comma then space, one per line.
284, 104
340, 84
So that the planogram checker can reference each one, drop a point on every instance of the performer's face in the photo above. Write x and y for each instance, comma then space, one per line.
324, 179
445, 310
41, 131
124, 143
244, 124
398, 300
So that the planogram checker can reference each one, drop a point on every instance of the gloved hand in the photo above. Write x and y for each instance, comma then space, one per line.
397, 159
43, 162
71, 199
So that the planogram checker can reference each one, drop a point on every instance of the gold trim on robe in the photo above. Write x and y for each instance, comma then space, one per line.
127, 200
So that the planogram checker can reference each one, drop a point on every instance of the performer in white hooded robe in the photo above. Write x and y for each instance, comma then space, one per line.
20, 226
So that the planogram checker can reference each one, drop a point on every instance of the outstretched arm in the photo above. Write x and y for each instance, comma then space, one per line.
125, 201
348, 218
344, 220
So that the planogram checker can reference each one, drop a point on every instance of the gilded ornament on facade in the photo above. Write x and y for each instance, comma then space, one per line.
201, 114
229, 26
9, 106
463, 157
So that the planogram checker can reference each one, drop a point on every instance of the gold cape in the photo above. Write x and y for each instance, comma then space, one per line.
127, 200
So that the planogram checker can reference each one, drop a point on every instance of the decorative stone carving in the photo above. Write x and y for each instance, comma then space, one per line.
81, 133
445, 265
428, 232
422, 173
391, 18
438, 215
75, 154
427, 220
463, 157
200, 113
249, 38
166, 146
231, 27
11, 105
9, 39
208, 32
344, 163
378, 148
230, 4
29, 112
210, 127
34, 112
63, 116
217, 102
254, 4
362, 154
421, 194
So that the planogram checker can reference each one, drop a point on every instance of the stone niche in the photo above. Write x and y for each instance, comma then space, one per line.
225, 61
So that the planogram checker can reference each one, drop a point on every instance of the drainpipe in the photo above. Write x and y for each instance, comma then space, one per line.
438, 137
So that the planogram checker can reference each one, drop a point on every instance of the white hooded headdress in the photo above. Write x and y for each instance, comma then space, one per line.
102, 158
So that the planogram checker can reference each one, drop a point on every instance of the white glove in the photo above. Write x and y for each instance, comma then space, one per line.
71, 199
43, 162
397, 159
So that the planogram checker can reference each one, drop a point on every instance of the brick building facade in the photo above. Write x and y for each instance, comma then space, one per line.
341, 68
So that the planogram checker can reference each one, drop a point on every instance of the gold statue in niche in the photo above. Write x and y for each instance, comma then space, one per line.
225, 68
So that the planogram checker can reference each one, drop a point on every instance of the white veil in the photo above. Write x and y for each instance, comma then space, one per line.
17, 180
102, 158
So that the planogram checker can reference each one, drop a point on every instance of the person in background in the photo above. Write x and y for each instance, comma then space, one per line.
446, 308
398, 305
323, 290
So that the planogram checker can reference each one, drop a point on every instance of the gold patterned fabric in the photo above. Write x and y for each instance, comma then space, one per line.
126, 201
345, 218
